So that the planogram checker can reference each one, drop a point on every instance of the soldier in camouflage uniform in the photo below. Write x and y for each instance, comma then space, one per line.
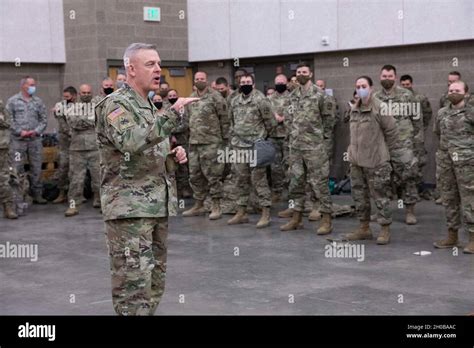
401, 104
310, 129
6, 194
209, 129
454, 126
83, 152
374, 142
251, 118
280, 106
28, 122
406, 81
453, 76
137, 193
69, 98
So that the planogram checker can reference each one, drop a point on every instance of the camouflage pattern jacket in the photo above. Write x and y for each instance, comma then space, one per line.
25, 115
134, 180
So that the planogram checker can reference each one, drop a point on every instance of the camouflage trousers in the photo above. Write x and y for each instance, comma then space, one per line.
407, 190
312, 167
421, 155
31, 152
79, 162
62, 173
6, 193
457, 191
205, 172
137, 250
279, 167
373, 183
248, 178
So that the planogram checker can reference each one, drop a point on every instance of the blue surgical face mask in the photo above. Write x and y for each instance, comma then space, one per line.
151, 94
120, 84
31, 90
363, 92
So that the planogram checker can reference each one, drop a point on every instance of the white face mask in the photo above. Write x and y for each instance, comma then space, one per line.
363, 92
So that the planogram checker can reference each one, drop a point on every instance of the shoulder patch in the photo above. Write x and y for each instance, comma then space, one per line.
114, 114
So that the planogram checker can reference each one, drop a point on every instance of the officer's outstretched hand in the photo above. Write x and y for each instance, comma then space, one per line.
180, 156
182, 102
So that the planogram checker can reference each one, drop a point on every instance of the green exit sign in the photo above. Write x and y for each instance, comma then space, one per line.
151, 14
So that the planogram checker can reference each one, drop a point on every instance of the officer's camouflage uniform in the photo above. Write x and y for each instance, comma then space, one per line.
6, 194
137, 195
251, 119
64, 134
209, 128
310, 128
455, 161
83, 153
408, 126
279, 137
27, 116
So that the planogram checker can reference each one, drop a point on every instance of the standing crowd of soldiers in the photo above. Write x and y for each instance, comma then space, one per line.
135, 140
386, 152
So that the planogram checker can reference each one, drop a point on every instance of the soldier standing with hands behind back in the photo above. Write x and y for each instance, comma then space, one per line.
136, 192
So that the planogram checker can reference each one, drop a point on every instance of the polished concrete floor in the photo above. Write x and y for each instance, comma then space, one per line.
214, 269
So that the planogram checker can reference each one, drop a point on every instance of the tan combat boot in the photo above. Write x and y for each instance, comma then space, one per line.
325, 227
410, 218
315, 215
384, 236
96, 202
265, 219
449, 242
9, 212
362, 233
295, 223
196, 210
71, 212
215, 209
240, 217
439, 201
287, 213
61, 198
469, 249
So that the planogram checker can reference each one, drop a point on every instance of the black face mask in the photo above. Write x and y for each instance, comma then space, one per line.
280, 88
68, 101
108, 90
246, 89
172, 100
158, 105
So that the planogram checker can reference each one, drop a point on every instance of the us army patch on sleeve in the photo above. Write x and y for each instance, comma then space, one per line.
114, 114
120, 119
